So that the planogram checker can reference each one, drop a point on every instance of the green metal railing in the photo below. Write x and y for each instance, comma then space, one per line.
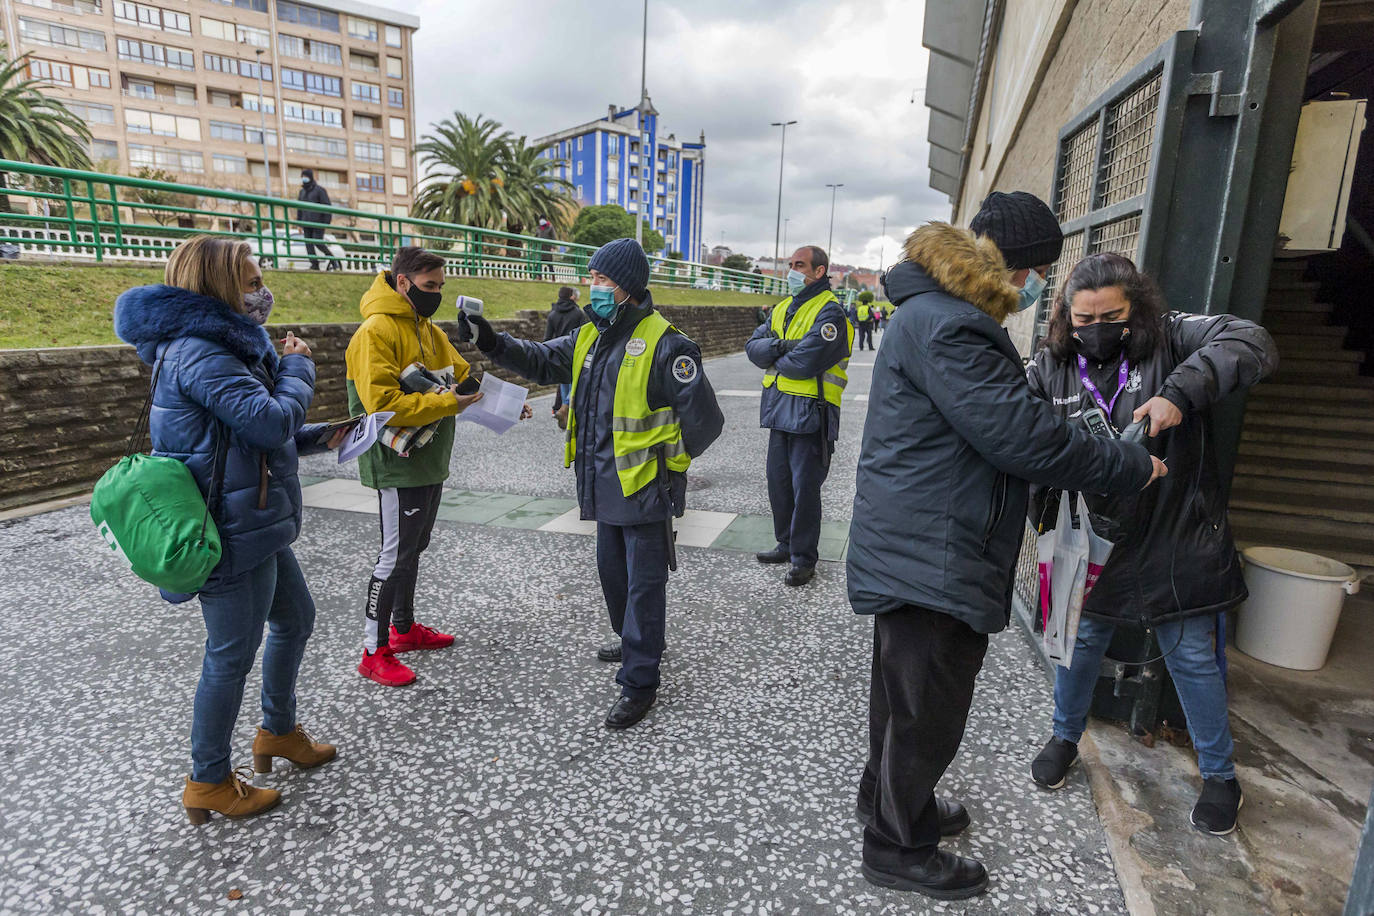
76, 215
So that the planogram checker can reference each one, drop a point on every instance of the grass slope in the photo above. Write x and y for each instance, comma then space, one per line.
61, 305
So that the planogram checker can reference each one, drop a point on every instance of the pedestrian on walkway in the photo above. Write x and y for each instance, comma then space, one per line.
803, 351
1111, 344
545, 232
866, 317
395, 334
564, 318
952, 441
315, 220
227, 406
641, 410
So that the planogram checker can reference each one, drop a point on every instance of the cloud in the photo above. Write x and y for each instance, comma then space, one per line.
727, 67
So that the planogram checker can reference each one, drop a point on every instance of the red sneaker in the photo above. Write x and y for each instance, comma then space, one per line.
381, 667
419, 637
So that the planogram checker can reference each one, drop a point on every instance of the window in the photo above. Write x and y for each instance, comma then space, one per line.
222, 99
91, 112
367, 92
326, 177
151, 17
245, 68
613, 189
367, 152
149, 52
400, 210
216, 28
322, 52
396, 98
369, 182
307, 15
398, 185
161, 125
312, 114
579, 145
366, 124
258, 5
365, 62
229, 165
394, 68
397, 128
579, 168
58, 74
366, 29
612, 168
316, 83
239, 133
40, 32
161, 158
398, 157
393, 36
317, 146
66, 6
579, 193
99, 79
103, 149
140, 89
253, 102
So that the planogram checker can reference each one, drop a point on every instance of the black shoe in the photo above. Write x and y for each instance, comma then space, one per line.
1051, 766
800, 575
1217, 806
609, 653
627, 711
944, 876
776, 555
954, 817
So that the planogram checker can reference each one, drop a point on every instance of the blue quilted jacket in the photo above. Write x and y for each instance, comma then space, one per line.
220, 376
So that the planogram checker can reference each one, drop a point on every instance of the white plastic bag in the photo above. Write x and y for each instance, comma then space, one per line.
1076, 557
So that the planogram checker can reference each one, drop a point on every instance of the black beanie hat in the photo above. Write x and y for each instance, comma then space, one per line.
1022, 226
624, 262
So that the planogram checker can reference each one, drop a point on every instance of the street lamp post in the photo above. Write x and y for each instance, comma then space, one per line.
834, 188
781, 153
639, 119
784, 242
262, 127
882, 245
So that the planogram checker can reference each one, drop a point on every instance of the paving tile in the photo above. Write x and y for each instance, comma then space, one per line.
570, 523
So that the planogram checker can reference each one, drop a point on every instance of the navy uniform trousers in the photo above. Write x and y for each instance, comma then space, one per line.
632, 562
797, 466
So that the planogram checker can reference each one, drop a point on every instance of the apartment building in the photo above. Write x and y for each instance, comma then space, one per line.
614, 160
235, 94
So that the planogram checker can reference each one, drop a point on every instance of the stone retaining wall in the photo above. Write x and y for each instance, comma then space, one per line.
66, 413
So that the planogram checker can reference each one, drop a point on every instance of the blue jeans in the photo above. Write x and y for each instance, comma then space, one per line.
274, 592
1193, 667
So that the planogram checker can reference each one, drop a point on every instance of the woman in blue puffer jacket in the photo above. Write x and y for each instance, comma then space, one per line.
222, 393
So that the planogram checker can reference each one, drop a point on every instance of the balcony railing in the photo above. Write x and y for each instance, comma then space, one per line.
93, 216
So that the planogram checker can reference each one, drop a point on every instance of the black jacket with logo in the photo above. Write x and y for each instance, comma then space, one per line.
1174, 555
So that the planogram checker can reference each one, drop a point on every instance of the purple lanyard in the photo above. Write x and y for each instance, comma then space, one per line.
1122, 374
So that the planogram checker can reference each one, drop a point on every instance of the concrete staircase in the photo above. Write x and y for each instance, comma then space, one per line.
1305, 469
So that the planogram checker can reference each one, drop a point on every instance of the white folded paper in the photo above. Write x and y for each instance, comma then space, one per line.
364, 435
500, 406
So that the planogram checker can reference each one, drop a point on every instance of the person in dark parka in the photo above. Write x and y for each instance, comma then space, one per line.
952, 441
1174, 567
314, 193
640, 399
564, 318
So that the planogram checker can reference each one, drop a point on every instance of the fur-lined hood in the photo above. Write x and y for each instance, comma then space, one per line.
147, 315
965, 266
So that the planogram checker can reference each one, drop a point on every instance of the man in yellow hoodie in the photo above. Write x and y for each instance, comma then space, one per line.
396, 332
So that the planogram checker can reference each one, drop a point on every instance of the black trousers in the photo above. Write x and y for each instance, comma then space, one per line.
407, 520
924, 666
632, 562
797, 466
314, 232
865, 334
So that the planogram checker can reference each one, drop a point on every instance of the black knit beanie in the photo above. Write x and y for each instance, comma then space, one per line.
1022, 226
624, 262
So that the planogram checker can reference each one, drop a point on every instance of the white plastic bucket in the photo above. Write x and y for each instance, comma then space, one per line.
1294, 606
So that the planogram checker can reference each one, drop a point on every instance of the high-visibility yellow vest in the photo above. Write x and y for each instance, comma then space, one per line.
864, 313
638, 433
835, 378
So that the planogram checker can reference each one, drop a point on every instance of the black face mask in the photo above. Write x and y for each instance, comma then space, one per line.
425, 304
1100, 342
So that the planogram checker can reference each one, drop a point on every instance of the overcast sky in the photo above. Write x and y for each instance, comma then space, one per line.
844, 71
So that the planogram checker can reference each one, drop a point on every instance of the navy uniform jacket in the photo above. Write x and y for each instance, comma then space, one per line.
671, 383
808, 359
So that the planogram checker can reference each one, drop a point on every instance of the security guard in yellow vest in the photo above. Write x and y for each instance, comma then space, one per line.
804, 351
641, 410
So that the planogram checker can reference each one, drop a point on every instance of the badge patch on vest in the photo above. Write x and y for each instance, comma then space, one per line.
829, 331
1134, 381
684, 369
636, 347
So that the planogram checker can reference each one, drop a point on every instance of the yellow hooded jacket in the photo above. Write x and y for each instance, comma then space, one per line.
391, 337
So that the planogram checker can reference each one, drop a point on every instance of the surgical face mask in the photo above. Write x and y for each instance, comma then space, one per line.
257, 304
425, 304
1031, 291
1101, 341
796, 281
601, 300
305, 180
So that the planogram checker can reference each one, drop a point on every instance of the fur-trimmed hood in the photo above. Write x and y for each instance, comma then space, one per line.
147, 315
965, 266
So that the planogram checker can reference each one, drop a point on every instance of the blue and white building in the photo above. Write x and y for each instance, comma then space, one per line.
658, 178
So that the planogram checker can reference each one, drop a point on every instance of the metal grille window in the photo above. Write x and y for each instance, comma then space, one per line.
1058, 272
1129, 132
1076, 174
1119, 236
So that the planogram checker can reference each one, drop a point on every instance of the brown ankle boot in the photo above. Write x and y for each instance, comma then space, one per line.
297, 747
233, 797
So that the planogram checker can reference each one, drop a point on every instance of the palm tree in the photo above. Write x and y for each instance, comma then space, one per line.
35, 127
462, 159
533, 188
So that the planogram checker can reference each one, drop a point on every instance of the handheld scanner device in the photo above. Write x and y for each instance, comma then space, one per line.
1095, 419
468, 305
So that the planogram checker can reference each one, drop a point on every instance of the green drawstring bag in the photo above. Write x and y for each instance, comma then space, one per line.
149, 511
